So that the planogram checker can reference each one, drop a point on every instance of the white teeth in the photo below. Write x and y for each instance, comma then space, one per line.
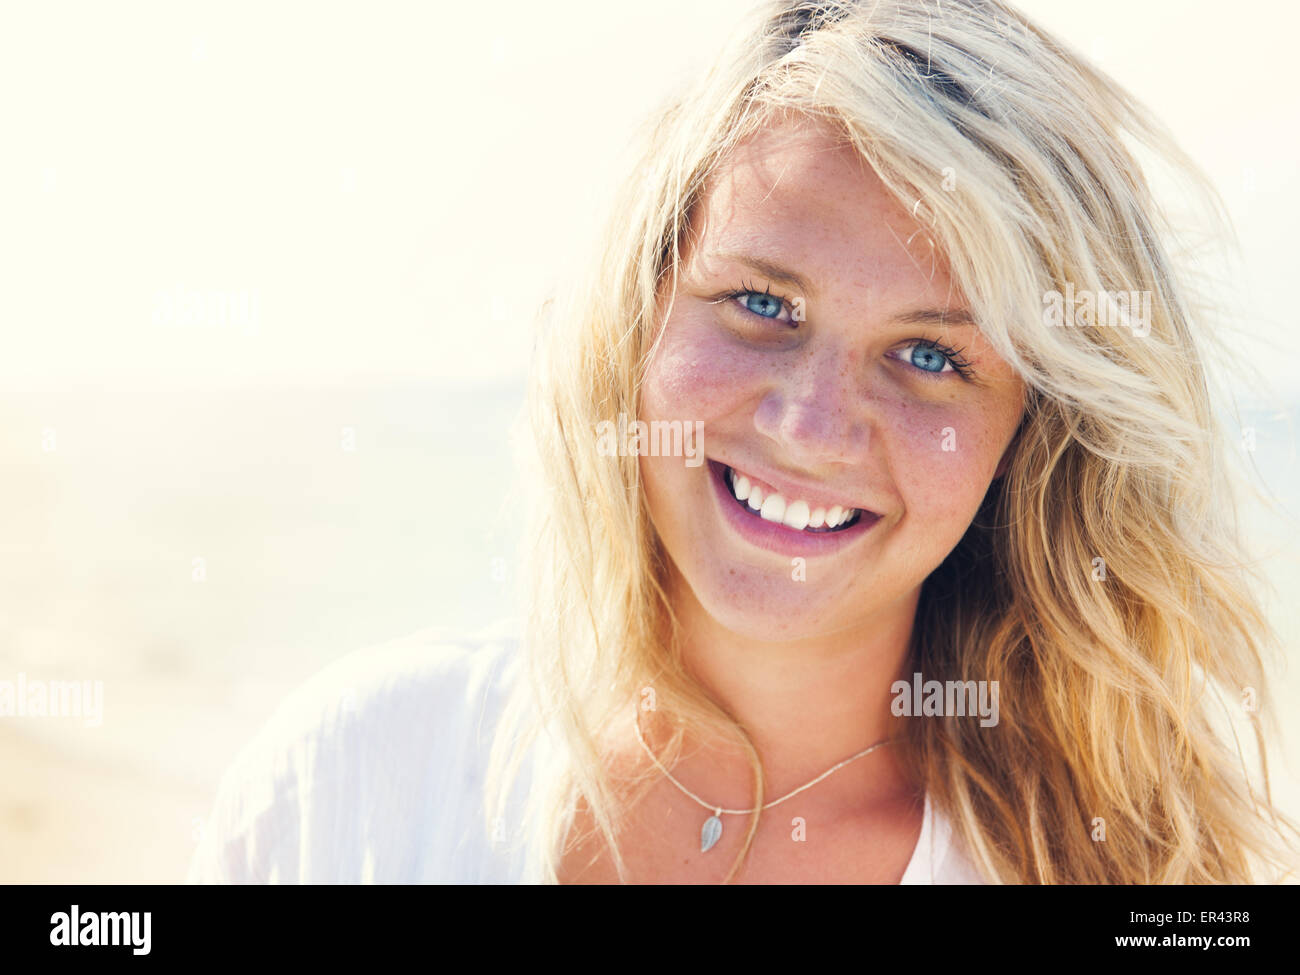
773, 508
796, 515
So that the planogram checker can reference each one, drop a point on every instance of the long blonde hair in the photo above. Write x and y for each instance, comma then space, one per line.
1103, 583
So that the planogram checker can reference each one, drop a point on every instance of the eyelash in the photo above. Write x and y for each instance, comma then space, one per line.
954, 356
749, 289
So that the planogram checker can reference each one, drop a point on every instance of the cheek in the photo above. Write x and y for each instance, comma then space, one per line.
942, 458
696, 374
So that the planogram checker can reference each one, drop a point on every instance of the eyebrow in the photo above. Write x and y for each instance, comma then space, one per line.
784, 275
936, 316
772, 270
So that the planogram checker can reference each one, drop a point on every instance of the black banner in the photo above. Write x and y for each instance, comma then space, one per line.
147, 925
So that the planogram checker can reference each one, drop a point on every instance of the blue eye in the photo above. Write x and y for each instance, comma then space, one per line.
764, 304
929, 359
761, 303
934, 359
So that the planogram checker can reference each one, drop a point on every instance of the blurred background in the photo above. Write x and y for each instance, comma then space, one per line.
268, 274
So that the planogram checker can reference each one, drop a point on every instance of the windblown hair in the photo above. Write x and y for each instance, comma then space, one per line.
1103, 582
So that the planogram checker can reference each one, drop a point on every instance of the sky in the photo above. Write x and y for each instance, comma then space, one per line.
303, 193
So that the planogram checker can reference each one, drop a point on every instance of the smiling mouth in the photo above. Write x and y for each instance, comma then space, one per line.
795, 514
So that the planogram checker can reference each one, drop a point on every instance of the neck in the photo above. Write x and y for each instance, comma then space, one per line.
806, 704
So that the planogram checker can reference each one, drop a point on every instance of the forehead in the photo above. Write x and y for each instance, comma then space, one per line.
796, 192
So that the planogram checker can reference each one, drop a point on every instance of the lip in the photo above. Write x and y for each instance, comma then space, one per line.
777, 538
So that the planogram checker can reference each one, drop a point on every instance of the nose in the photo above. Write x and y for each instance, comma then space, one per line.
818, 412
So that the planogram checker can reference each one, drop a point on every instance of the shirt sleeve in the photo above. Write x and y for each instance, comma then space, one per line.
356, 770
254, 832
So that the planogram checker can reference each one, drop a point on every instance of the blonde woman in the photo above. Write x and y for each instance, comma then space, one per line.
881, 524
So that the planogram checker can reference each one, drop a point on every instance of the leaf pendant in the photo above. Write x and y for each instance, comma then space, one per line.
711, 833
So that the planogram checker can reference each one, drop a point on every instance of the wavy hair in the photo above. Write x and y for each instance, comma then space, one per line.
1103, 583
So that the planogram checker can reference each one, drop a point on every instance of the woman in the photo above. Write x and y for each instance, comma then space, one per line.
934, 577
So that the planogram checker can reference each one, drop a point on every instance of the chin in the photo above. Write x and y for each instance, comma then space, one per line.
754, 605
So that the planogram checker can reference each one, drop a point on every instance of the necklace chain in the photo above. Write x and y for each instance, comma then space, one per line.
718, 810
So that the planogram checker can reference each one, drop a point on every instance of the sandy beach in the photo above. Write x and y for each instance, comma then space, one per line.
308, 553
71, 820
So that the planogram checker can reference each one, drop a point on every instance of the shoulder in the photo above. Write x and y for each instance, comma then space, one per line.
433, 677
362, 763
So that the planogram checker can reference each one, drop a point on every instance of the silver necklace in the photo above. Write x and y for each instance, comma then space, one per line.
711, 831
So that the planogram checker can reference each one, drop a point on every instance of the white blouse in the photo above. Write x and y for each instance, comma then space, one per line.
372, 772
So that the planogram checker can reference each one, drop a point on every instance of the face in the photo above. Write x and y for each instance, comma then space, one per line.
816, 333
